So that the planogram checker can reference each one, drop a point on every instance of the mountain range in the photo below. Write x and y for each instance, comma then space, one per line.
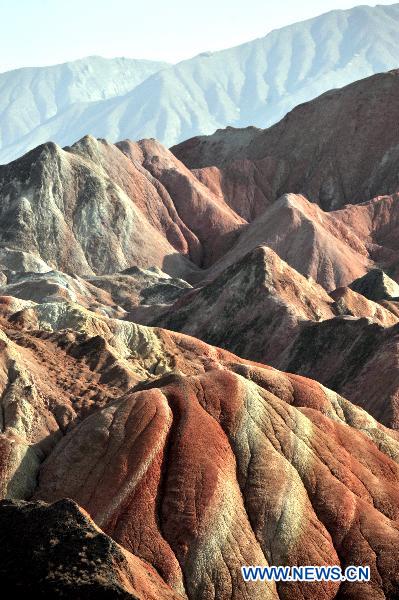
199, 351
255, 83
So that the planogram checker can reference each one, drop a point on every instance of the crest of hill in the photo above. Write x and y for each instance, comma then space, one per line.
342, 147
97, 208
280, 299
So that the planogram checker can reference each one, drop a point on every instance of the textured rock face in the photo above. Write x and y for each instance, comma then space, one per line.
354, 356
212, 513
348, 302
254, 308
94, 208
135, 294
56, 551
316, 244
21, 262
351, 139
376, 285
68, 212
333, 248
192, 459
212, 222
263, 310
60, 362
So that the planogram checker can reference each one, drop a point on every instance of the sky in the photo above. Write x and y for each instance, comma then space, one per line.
44, 32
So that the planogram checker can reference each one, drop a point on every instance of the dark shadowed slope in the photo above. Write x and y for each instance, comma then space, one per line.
57, 551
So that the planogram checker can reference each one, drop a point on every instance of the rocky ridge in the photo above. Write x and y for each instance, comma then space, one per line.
347, 155
72, 557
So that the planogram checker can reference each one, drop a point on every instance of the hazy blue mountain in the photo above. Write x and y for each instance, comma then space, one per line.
32, 96
255, 83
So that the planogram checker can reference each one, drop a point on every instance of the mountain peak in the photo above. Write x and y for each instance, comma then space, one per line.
376, 285
255, 83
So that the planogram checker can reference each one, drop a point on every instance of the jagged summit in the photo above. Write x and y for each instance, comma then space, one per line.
376, 285
254, 307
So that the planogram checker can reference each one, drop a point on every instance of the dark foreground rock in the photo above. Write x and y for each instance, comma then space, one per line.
56, 551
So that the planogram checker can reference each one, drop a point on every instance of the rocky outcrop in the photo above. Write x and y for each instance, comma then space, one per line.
211, 221
134, 294
95, 209
21, 262
316, 244
59, 363
376, 285
187, 459
72, 557
348, 302
334, 248
254, 308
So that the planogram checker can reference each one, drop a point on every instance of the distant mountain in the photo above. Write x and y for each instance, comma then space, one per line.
31, 97
252, 84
